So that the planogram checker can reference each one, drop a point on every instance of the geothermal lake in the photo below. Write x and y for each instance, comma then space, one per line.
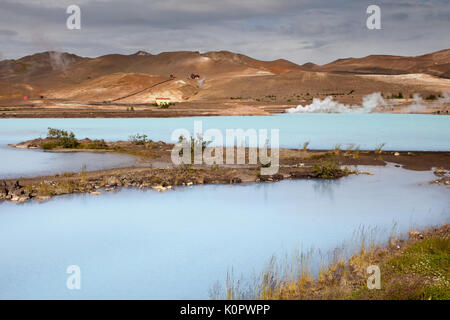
136, 244
412, 132
178, 244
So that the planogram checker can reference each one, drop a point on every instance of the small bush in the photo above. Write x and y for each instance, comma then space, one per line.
327, 169
431, 97
305, 146
49, 145
138, 139
62, 138
97, 144
379, 147
356, 153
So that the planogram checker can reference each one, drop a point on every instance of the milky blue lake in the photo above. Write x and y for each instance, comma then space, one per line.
140, 244
137, 244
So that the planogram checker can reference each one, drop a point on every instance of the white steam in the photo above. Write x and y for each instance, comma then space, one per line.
418, 105
328, 105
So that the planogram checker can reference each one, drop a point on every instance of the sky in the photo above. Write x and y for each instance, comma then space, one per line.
316, 31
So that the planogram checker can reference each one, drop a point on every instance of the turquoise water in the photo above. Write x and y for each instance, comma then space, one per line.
178, 244
399, 131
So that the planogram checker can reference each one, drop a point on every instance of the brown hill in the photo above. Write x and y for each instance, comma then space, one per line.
52, 70
436, 63
223, 77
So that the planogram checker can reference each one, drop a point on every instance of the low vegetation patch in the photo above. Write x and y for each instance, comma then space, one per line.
139, 139
60, 138
328, 169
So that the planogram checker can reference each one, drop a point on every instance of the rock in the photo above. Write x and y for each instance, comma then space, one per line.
113, 181
396, 154
22, 199
415, 234
440, 172
95, 193
3, 187
236, 180
189, 183
16, 185
43, 198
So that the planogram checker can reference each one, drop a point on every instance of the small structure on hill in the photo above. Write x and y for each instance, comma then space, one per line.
162, 101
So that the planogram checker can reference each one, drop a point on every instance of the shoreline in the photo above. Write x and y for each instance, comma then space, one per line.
38, 109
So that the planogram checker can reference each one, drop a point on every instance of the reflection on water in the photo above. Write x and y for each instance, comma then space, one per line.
177, 244
325, 187
16, 163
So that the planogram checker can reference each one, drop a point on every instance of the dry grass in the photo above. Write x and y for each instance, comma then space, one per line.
410, 269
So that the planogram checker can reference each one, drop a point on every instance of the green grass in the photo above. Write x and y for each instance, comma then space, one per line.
421, 272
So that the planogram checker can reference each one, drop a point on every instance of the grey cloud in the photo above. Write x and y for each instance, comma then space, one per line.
301, 31
8, 33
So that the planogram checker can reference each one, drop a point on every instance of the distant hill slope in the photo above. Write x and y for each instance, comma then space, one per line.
436, 63
53, 70
222, 75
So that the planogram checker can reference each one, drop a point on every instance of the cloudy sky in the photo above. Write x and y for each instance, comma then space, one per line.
301, 31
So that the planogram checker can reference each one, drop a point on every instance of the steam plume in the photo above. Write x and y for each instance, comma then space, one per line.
328, 105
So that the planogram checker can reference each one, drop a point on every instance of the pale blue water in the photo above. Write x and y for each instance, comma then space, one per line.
324, 131
15, 163
177, 244
399, 131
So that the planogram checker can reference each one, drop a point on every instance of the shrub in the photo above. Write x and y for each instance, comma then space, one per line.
53, 133
69, 141
138, 139
62, 139
194, 142
327, 169
379, 147
431, 97
97, 144
305, 145
49, 145
356, 153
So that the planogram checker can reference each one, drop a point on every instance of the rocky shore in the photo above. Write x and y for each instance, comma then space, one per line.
159, 179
